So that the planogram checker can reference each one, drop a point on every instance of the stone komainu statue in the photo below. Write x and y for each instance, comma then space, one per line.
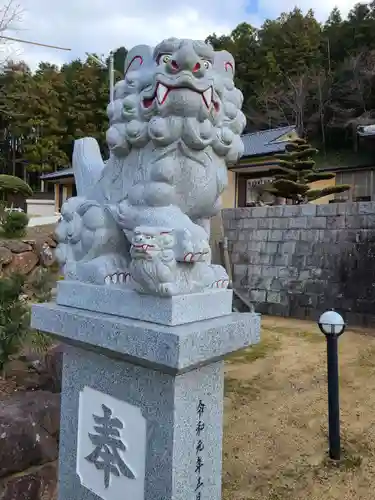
175, 124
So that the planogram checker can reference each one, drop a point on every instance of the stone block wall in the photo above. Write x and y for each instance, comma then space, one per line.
299, 260
25, 256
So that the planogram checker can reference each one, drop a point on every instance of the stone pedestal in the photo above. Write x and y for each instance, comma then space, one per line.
142, 402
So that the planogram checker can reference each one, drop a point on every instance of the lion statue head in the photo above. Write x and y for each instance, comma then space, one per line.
182, 89
149, 241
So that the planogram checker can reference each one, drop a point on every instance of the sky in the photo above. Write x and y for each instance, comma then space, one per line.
99, 25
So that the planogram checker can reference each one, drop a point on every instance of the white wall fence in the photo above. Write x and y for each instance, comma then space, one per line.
40, 208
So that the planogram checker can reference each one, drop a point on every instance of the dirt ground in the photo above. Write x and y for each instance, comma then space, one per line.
275, 440
35, 232
39, 231
7, 387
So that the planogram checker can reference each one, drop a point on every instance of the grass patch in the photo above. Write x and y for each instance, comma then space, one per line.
267, 345
275, 438
16, 236
296, 480
349, 461
366, 358
313, 336
301, 477
309, 336
240, 388
40, 231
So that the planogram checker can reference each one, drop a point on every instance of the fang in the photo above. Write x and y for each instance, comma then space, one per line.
161, 93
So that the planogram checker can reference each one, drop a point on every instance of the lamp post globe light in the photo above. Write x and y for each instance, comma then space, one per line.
332, 325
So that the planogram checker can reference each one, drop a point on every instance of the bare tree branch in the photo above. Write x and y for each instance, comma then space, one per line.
291, 99
10, 14
266, 111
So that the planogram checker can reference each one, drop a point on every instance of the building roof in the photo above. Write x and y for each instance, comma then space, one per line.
60, 174
266, 141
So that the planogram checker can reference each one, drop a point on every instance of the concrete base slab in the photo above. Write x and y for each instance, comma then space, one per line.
173, 349
124, 302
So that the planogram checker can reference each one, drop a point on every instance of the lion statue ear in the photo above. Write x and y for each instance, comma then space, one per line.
138, 56
224, 64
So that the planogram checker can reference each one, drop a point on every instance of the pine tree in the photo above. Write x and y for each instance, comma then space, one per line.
296, 171
12, 184
14, 318
87, 94
33, 106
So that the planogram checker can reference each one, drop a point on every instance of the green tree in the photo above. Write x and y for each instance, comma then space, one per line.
294, 39
297, 170
289, 53
119, 62
242, 43
87, 95
333, 46
42, 113
14, 83
42, 152
14, 318
12, 184
14, 224
33, 105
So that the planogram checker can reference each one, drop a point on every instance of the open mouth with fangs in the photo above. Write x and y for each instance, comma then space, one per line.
143, 246
162, 91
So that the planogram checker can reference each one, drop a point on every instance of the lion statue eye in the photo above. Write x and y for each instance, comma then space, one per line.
165, 58
207, 64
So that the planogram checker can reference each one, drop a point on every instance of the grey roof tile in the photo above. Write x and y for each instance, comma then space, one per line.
262, 143
66, 172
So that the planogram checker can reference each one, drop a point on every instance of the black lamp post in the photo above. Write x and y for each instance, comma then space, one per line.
332, 325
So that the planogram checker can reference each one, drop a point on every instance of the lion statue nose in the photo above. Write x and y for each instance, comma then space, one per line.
185, 59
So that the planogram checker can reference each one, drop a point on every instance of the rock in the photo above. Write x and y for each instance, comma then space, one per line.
29, 426
51, 242
31, 359
46, 255
16, 246
37, 484
28, 287
15, 367
32, 381
53, 236
33, 275
30, 242
5, 256
48, 367
53, 367
22, 263
25, 376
